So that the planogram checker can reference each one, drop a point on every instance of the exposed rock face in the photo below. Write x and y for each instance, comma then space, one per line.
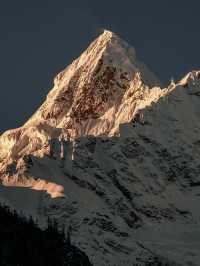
118, 155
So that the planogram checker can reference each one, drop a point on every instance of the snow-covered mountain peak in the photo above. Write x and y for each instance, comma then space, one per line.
100, 90
87, 94
120, 155
191, 77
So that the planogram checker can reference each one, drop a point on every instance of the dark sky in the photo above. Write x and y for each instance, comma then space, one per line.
39, 38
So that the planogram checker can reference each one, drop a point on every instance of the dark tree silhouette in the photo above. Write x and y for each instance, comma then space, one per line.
23, 243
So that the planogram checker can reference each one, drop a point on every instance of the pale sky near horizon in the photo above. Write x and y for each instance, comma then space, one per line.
39, 38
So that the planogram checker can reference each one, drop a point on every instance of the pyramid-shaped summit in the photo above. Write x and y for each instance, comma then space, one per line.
94, 95
93, 83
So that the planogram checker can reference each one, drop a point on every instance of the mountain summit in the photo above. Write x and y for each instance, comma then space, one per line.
92, 85
115, 157
92, 96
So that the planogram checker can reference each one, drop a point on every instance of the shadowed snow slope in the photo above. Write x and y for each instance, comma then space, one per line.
118, 157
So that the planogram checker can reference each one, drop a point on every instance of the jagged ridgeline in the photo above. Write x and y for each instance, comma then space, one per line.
23, 243
114, 155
